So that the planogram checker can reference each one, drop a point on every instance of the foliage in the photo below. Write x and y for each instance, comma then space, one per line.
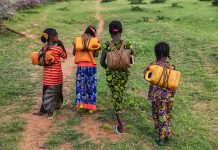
158, 1
103, 1
136, 8
136, 1
215, 2
6, 9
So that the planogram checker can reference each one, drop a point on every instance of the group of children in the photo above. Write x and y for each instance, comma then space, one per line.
86, 79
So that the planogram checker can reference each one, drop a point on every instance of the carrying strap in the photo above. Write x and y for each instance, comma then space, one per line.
41, 58
86, 41
113, 47
165, 75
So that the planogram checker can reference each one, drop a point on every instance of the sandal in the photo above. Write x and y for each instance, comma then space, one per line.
64, 104
117, 129
81, 108
52, 115
159, 142
91, 111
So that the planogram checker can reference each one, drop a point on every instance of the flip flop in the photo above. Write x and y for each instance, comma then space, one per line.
53, 115
81, 108
91, 111
116, 129
64, 104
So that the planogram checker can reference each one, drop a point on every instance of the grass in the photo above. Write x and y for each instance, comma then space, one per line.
191, 32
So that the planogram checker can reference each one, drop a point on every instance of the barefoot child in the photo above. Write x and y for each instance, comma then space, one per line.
52, 98
116, 78
162, 98
86, 74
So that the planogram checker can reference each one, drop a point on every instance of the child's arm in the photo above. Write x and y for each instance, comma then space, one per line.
63, 53
74, 49
102, 61
104, 55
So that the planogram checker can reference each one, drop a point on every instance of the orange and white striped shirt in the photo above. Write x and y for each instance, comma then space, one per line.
52, 75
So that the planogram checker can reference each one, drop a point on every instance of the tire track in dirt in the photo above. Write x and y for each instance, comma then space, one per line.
38, 128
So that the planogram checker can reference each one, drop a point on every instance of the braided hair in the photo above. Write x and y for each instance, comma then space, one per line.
115, 27
47, 34
162, 49
91, 31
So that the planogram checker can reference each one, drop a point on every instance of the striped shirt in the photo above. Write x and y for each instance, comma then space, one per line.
52, 75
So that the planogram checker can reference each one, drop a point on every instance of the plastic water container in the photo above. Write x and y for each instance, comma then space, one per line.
49, 58
163, 77
94, 44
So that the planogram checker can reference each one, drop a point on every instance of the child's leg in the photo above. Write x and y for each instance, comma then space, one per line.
42, 110
169, 117
119, 122
80, 86
162, 108
118, 99
155, 116
92, 89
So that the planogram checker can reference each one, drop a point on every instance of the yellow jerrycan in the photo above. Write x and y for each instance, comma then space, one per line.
92, 44
163, 77
49, 58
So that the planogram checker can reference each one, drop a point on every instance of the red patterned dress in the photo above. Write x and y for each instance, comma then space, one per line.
53, 81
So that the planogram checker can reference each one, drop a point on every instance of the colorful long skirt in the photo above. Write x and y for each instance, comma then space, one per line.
117, 80
162, 115
86, 82
52, 98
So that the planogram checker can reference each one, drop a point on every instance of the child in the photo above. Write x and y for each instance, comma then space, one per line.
52, 98
162, 98
116, 78
86, 75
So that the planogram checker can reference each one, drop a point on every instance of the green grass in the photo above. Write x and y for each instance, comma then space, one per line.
191, 31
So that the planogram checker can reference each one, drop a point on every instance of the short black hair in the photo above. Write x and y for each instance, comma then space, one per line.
115, 27
91, 30
162, 49
50, 32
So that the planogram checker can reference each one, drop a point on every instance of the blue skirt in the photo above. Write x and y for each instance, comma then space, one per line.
86, 82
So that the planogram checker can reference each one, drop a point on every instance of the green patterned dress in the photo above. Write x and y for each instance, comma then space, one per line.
116, 78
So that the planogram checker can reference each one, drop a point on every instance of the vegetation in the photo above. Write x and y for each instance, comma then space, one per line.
191, 33
158, 1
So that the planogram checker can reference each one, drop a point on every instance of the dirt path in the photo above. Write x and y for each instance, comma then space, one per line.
38, 127
100, 18
90, 125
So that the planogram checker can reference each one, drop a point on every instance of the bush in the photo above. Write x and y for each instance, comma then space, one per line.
6, 9
136, 8
24, 4
215, 2
136, 1
158, 1
103, 1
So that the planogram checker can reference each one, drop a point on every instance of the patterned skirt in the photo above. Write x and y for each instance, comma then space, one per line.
52, 98
86, 82
116, 80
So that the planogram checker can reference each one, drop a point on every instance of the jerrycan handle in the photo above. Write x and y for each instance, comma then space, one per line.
148, 75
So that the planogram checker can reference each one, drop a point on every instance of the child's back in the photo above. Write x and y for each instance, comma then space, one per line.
162, 98
52, 74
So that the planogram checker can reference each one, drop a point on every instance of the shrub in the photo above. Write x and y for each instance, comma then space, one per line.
136, 1
175, 4
215, 2
136, 8
103, 1
6, 9
158, 1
